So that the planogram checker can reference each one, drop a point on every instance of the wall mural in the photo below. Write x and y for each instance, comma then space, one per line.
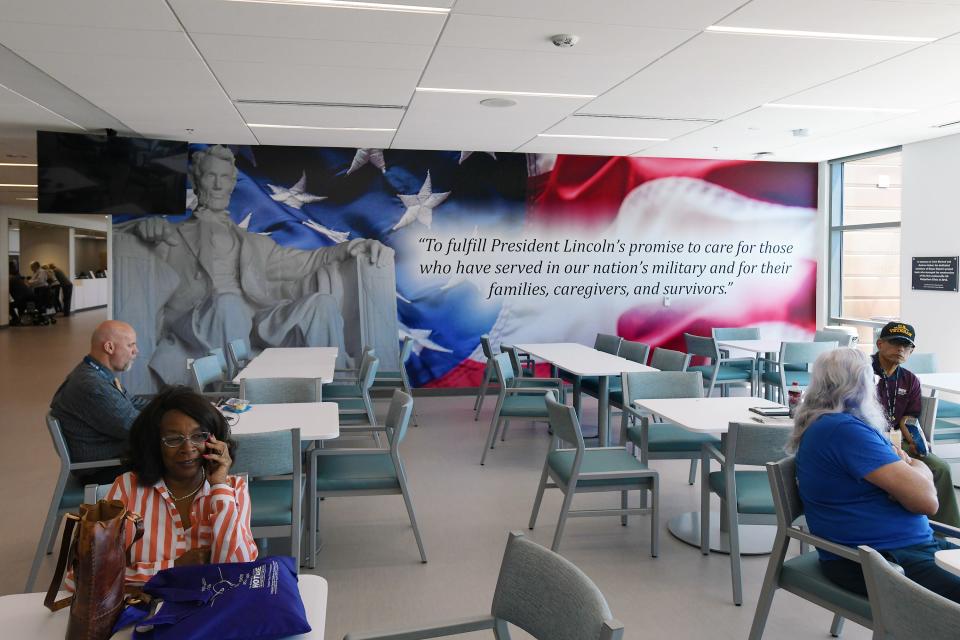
325, 246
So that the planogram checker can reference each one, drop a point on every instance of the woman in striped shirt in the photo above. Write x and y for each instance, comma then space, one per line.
192, 510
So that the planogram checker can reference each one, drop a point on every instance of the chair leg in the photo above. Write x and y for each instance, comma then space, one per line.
624, 503
482, 392
769, 588
655, 517
836, 627
501, 631
494, 427
564, 510
693, 472
539, 498
503, 433
734, 540
705, 507
48, 537
408, 500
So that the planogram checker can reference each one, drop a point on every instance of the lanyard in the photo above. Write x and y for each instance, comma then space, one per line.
105, 374
891, 397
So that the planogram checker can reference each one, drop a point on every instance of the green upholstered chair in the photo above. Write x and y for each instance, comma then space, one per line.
660, 440
67, 496
720, 371
735, 333
902, 609
927, 363
208, 378
365, 472
633, 351
529, 382
271, 462
801, 575
669, 360
239, 352
489, 376
538, 591
603, 342
581, 470
745, 495
842, 338
515, 401
399, 379
799, 354
355, 406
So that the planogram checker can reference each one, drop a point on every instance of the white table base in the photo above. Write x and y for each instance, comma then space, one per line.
755, 539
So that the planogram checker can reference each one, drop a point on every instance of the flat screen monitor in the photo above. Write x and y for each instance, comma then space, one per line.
80, 173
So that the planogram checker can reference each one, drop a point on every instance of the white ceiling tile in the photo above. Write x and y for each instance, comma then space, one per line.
633, 127
282, 21
317, 116
308, 51
678, 14
123, 14
309, 138
873, 17
309, 83
719, 75
584, 147
18, 111
129, 43
459, 121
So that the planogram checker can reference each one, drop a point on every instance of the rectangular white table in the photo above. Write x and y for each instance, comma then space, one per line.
316, 363
948, 382
764, 347
23, 615
714, 415
316, 420
583, 361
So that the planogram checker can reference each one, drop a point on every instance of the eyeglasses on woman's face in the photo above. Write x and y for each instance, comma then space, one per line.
196, 439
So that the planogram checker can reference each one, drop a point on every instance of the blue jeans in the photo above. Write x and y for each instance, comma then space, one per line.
918, 565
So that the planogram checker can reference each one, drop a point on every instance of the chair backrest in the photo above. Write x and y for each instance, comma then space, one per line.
368, 370
266, 454
398, 417
922, 363
206, 370
504, 368
803, 352
239, 351
701, 346
279, 390
736, 333
487, 348
547, 596
928, 416
406, 348
608, 343
902, 608
94, 492
514, 359
755, 444
842, 338
565, 426
221, 358
635, 351
59, 442
786, 495
661, 384
669, 360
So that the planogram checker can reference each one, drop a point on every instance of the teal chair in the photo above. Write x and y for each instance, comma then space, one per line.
355, 406
530, 382
660, 440
399, 379
239, 352
927, 363
842, 338
799, 354
208, 378
745, 495
582, 470
735, 333
67, 496
669, 360
633, 351
604, 342
515, 401
271, 462
720, 371
538, 591
226, 386
489, 376
367, 472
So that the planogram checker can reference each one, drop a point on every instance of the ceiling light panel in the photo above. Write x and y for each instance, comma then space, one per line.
820, 35
628, 127
358, 5
905, 19
337, 117
584, 146
503, 92
324, 138
731, 74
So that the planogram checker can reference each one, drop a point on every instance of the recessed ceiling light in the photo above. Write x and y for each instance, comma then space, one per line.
498, 102
299, 126
827, 107
18, 164
792, 33
26, 198
25, 186
570, 135
347, 4
534, 94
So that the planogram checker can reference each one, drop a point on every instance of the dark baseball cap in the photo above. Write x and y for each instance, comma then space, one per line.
898, 331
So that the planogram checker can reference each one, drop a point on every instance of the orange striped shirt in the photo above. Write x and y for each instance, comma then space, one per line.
220, 519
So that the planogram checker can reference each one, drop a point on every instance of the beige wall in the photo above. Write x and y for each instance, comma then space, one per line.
44, 244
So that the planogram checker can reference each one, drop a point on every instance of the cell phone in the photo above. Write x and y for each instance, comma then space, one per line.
916, 434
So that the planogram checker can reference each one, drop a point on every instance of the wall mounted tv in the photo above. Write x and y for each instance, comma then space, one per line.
80, 173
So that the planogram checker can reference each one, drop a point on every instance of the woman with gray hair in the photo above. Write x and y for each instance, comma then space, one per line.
856, 486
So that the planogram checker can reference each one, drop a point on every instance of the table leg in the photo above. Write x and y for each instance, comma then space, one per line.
603, 407
755, 539
319, 384
576, 397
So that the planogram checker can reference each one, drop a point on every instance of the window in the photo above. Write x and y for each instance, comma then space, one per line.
865, 241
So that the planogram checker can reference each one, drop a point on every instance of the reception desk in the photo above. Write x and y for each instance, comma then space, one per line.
88, 293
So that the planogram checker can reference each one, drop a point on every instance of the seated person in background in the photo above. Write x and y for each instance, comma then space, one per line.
856, 486
180, 453
898, 390
39, 277
94, 410
19, 291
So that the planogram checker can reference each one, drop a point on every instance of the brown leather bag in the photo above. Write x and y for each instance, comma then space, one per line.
93, 546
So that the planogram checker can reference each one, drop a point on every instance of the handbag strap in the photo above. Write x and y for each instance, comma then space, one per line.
66, 552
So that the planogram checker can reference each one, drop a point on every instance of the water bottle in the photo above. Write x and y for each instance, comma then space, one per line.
793, 398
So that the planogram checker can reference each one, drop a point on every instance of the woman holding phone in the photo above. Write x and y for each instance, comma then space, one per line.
193, 510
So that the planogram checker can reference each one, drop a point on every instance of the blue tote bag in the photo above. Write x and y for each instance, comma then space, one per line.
233, 601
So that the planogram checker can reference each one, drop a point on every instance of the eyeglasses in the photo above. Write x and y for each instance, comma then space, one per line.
196, 439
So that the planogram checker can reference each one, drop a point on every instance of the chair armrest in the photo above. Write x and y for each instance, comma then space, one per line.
709, 450
528, 390
945, 530
352, 451
556, 381
615, 475
768, 361
454, 627
849, 553
96, 464
722, 361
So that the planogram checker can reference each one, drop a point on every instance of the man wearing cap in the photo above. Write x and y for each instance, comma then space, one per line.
898, 390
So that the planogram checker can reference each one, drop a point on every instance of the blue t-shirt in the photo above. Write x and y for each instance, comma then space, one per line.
835, 453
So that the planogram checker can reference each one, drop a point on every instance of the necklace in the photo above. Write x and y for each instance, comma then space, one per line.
891, 397
192, 493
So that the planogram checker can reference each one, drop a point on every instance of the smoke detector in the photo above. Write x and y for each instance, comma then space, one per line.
564, 40
498, 102
762, 155
800, 133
